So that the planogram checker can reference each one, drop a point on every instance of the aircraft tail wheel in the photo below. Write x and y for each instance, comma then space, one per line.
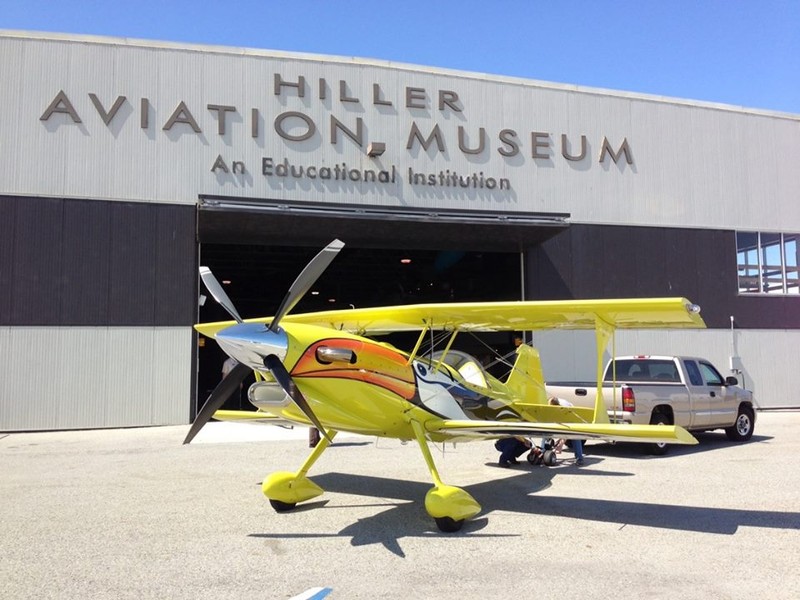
448, 525
549, 458
282, 506
535, 456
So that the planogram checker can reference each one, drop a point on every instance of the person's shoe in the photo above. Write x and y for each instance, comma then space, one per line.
579, 462
513, 461
504, 463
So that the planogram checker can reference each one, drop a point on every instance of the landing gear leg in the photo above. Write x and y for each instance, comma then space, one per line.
448, 505
285, 489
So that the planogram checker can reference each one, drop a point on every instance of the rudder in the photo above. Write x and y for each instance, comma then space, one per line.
526, 380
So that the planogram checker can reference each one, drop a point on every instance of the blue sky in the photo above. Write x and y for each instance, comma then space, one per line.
728, 51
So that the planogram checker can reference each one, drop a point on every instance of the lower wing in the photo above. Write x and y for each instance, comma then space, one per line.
251, 416
467, 429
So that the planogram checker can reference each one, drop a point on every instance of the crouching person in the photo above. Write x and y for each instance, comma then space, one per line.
511, 448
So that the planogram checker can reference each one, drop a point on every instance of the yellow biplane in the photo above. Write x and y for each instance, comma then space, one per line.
325, 370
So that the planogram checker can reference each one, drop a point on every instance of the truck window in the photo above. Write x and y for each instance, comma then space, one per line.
634, 369
710, 374
661, 370
695, 378
627, 370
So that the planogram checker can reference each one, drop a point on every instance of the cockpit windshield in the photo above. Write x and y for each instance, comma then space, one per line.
467, 366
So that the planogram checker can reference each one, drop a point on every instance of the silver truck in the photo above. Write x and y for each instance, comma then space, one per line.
668, 390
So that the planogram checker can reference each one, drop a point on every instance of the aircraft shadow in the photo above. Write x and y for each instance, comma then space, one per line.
407, 517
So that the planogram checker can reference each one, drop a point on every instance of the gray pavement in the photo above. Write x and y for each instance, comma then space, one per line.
132, 513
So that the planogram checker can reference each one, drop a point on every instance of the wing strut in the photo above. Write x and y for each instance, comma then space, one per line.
446, 350
422, 335
603, 331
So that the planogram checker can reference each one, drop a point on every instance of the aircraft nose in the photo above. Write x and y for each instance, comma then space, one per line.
249, 343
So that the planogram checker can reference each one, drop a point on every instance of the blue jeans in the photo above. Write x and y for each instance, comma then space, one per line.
510, 448
577, 447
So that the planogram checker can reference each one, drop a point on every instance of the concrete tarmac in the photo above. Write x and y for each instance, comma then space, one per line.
132, 513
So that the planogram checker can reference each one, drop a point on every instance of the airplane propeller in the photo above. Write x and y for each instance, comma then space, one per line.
216, 290
306, 280
284, 379
272, 362
224, 390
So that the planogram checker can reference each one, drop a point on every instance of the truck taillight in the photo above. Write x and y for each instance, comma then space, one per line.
628, 400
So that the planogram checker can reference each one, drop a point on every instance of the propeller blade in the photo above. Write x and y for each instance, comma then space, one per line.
221, 393
305, 280
215, 289
284, 379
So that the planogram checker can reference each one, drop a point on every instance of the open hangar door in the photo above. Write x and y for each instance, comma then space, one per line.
256, 252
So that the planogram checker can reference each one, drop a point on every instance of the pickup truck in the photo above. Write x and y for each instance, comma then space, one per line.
667, 390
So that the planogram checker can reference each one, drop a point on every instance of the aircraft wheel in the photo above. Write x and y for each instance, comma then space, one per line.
534, 457
549, 458
448, 525
282, 506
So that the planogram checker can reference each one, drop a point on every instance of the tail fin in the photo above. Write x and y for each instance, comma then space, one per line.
526, 380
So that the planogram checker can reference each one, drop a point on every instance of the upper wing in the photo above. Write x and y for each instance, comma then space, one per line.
468, 429
500, 316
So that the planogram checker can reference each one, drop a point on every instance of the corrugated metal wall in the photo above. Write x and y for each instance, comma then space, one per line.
79, 377
97, 303
693, 164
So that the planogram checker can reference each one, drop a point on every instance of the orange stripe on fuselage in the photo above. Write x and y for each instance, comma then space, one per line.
375, 364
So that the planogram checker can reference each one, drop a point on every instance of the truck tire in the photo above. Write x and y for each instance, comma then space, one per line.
658, 418
742, 430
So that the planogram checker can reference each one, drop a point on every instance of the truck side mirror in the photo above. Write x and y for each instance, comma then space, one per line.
731, 380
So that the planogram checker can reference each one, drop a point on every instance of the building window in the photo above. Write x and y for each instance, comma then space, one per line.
790, 260
767, 263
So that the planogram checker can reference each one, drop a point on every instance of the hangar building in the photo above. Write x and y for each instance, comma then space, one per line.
126, 164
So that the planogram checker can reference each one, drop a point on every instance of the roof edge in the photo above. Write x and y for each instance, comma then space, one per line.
256, 52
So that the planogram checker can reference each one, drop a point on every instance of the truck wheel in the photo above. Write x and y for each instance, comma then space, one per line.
660, 448
742, 430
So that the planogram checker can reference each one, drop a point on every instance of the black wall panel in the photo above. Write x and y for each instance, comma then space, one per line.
587, 265
594, 261
86, 251
646, 260
36, 270
611, 264
549, 274
8, 218
716, 282
176, 285
79, 262
132, 280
